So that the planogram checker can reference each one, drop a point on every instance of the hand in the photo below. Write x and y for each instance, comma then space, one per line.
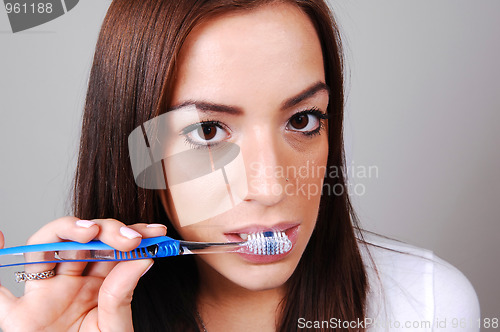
82, 296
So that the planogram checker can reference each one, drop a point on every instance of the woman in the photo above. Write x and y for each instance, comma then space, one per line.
266, 76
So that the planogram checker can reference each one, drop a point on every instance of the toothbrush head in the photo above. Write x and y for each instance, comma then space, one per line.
268, 243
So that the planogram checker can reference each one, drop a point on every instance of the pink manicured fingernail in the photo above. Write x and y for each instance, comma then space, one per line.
129, 233
85, 223
147, 269
156, 226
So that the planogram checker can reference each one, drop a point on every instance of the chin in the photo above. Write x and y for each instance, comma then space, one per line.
259, 286
264, 278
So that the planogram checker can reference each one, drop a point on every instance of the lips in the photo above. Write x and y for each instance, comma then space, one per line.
238, 235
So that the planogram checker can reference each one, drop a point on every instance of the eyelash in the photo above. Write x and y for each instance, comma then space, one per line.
313, 111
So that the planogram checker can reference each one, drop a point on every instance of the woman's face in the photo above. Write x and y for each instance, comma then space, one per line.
260, 80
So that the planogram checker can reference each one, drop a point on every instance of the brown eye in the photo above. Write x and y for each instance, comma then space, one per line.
304, 122
299, 121
207, 131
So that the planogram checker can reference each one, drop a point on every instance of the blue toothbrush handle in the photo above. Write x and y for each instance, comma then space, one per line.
93, 251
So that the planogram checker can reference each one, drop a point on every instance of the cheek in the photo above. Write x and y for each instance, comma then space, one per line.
309, 172
194, 232
207, 184
200, 199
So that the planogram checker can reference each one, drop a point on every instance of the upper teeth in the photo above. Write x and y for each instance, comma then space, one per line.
244, 236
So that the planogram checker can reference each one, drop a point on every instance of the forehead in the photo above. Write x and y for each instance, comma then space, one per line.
255, 51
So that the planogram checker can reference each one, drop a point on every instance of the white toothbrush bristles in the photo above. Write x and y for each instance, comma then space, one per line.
268, 243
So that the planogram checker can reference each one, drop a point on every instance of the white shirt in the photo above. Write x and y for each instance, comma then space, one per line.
415, 290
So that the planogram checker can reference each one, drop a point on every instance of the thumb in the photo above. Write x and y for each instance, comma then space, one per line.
114, 312
7, 300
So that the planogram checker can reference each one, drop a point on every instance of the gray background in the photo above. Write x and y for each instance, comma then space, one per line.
423, 106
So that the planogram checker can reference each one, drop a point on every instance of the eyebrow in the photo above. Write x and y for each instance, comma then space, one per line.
235, 110
306, 94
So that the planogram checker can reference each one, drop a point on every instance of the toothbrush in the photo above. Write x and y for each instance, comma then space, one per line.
262, 243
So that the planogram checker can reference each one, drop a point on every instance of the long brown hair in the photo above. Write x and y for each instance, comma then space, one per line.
132, 72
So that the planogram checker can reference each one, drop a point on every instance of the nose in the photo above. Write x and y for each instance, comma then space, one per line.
266, 176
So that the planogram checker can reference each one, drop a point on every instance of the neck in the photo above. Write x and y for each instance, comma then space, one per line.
225, 306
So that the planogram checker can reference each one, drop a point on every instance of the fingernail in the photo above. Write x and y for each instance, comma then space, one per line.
156, 226
85, 223
147, 270
129, 233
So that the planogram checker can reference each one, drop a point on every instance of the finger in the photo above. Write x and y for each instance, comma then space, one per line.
102, 269
66, 228
150, 230
115, 234
6, 297
76, 268
109, 231
115, 295
7, 301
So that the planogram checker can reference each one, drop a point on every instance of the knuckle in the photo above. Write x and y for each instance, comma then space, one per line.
112, 221
50, 227
33, 239
87, 297
66, 219
110, 299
